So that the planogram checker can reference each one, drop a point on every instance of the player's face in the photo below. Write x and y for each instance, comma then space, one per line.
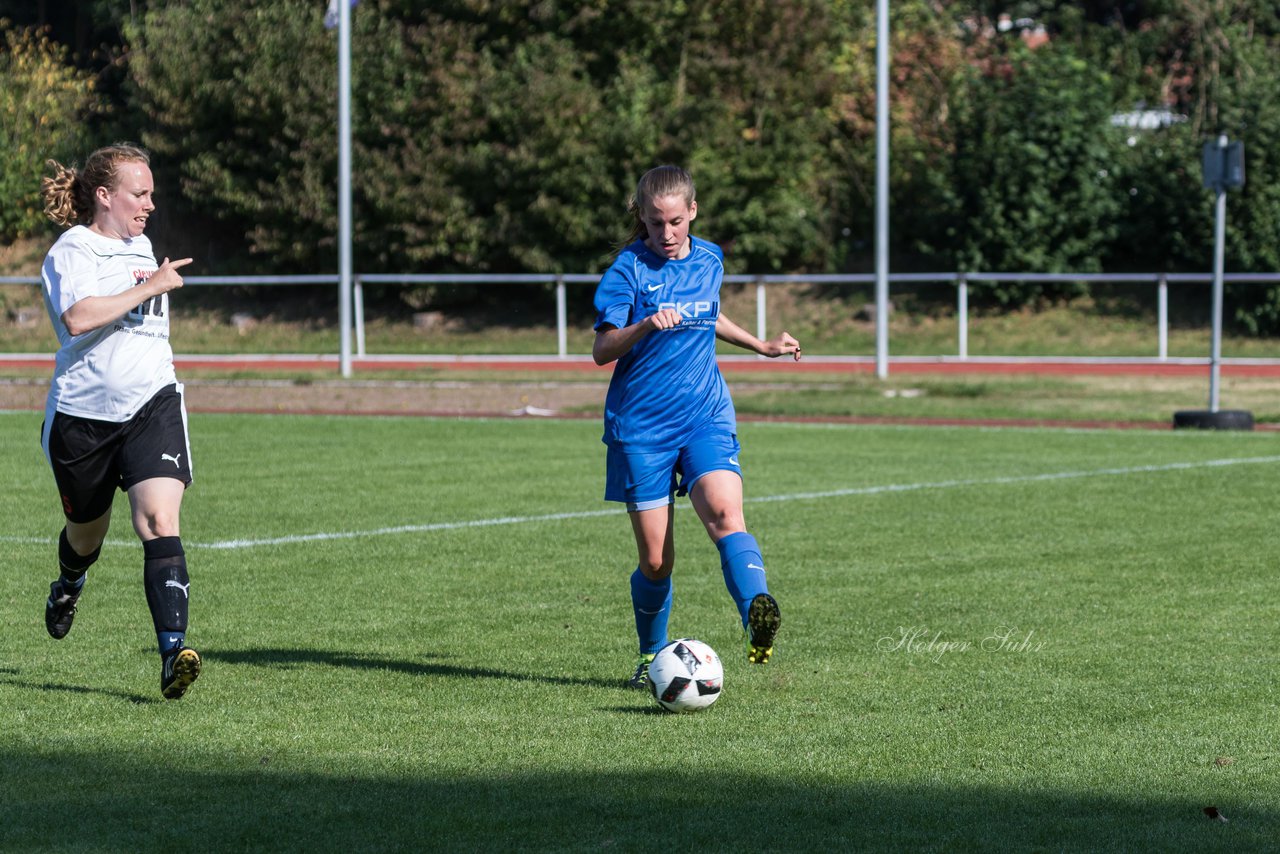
123, 212
667, 219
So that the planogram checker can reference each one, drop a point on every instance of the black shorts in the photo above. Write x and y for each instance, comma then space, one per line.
91, 458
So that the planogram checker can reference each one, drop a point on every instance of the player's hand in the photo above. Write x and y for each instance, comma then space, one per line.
167, 277
664, 319
782, 345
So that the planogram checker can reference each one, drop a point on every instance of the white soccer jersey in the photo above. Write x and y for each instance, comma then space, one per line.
108, 373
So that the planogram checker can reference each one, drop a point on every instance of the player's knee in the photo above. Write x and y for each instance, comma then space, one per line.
85, 542
161, 523
86, 537
655, 569
724, 523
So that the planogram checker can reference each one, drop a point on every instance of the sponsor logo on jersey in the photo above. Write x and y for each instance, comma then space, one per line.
693, 313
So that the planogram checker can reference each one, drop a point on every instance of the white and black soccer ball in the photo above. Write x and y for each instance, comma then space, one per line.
686, 675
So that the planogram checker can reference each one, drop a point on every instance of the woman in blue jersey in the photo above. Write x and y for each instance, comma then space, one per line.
669, 422
115, 417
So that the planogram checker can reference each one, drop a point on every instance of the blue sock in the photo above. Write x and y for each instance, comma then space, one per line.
743, 569
169, 641
651, 601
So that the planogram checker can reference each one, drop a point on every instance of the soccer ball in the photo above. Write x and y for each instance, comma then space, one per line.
685, 676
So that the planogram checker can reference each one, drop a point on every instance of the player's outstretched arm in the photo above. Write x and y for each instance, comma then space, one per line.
781, 344
612, 342
92, 313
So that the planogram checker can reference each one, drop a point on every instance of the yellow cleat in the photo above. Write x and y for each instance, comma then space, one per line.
763, 620
180, 669
640, 679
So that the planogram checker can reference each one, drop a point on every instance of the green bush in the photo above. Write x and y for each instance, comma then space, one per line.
44, 103
1031, 184
503, 138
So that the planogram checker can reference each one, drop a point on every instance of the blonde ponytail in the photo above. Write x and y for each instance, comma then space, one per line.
68, 193
62, 201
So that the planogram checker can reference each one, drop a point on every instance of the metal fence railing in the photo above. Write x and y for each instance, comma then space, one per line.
960, 281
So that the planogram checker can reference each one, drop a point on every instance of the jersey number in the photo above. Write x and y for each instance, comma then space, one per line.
153, 307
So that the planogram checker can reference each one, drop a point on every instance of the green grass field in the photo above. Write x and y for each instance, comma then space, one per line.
415, 633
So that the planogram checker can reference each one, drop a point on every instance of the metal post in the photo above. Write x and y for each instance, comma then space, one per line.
1219, 241
1162, 315
358, 298
344, 185
562, 319
761, 325
882, 188
962, 314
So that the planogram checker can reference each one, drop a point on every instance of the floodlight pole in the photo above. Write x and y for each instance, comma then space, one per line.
882, 188
1219, 264
344, 186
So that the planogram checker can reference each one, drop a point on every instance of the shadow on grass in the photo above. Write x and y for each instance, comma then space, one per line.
361, 661
139, 699
124, 803
652, 709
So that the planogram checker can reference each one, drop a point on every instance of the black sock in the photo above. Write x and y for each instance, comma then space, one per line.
73, 565
164, 574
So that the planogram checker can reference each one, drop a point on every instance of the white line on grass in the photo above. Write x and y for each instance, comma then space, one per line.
406, 529
794, 496
1028, 478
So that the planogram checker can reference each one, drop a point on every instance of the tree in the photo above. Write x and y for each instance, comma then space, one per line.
1217, 65
1030, 182
493, 136
751, 117
43, 106
470, 152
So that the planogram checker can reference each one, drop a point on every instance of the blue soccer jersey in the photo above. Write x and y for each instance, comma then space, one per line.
667, 387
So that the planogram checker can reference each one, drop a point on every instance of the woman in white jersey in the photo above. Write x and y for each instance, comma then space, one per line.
115, 417
669, 421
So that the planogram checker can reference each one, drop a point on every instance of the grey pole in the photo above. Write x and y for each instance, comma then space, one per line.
562, 318
1219, 252
344, 185
1223, 168
882, 188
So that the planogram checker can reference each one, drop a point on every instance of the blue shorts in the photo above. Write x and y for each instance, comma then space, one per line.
648, 480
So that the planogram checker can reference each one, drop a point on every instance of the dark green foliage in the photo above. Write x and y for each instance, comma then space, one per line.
1031, 179
1224, 57
44, 103
1166, 223
507, 136
755, 125
1253, 211
493, 137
